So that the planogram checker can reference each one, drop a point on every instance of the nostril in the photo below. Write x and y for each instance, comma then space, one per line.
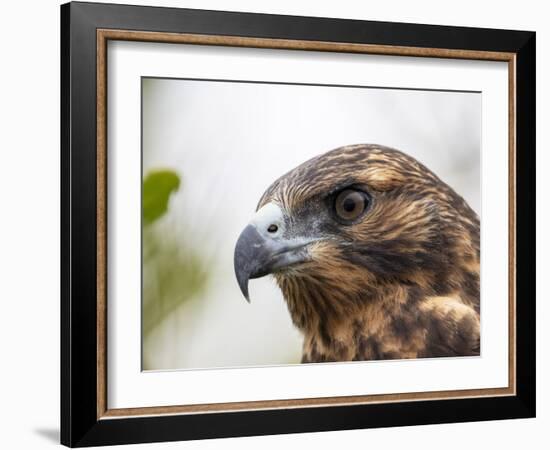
272, 228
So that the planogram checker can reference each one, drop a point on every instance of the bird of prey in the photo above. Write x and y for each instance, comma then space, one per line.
376, 257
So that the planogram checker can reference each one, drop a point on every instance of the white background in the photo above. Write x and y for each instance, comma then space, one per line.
29, 242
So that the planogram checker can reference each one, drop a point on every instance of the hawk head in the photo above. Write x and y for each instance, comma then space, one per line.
345, 227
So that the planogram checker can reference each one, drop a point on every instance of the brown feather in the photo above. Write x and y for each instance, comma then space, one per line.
401, 283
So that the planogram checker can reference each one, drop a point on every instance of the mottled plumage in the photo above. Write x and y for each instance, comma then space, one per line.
401, 281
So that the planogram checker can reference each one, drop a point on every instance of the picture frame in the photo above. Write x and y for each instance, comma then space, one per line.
86, 30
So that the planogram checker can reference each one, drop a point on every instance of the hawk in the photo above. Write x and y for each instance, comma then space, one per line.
376, 257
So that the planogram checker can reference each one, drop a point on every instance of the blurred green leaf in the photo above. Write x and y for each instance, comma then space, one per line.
157, 188
173, 273
174, 270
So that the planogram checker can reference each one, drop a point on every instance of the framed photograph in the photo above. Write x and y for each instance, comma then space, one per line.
277, 224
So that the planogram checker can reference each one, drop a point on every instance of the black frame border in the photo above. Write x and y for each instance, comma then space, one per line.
79, 423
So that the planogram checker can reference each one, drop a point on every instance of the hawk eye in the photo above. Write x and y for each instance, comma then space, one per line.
350, 204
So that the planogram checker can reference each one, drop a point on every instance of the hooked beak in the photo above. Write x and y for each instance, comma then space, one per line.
261, 248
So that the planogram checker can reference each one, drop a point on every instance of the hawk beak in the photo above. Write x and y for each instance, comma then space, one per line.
252, 257
261, 248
